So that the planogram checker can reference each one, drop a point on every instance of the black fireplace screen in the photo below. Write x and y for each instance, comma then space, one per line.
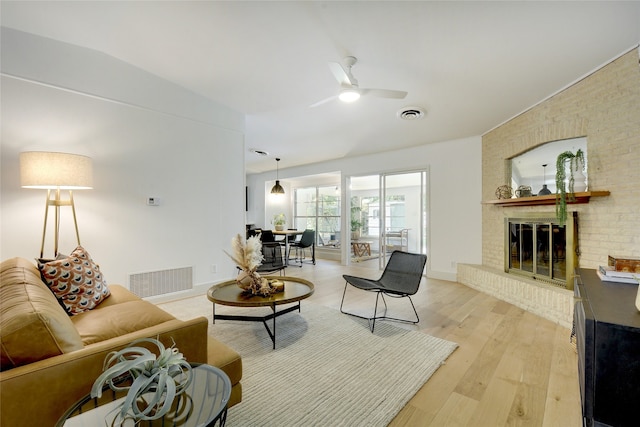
538, 246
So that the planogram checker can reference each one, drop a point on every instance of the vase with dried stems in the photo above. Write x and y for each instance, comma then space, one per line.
247, 254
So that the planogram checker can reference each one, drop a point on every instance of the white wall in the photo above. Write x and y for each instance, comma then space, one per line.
146, 136
455, 186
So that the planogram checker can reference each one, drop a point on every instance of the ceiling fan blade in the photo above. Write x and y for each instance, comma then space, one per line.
324, 101
340, 74
385, 93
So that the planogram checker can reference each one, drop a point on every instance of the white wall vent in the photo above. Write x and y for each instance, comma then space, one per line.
161, 282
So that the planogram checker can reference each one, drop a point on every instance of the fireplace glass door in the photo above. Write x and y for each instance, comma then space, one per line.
538, 247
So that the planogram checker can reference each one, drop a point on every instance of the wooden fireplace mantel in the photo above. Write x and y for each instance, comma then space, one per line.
546, 200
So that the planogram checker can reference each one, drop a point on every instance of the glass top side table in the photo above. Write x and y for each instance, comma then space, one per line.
203, 404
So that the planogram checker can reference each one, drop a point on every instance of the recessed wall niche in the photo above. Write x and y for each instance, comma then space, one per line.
527, 168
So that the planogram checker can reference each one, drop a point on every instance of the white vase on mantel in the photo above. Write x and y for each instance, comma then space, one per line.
579, 179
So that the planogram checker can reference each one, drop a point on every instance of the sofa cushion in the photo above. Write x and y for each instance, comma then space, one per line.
76, 281
33, 326
119, 319
225, 358
119, 294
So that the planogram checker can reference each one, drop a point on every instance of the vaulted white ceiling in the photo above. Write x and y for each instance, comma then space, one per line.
469, 65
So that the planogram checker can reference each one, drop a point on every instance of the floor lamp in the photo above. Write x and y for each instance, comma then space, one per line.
56, 172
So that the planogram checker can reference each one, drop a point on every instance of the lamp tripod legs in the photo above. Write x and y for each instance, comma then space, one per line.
44, 229
56, 203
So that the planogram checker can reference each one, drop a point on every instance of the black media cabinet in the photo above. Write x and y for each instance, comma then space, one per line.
607, 326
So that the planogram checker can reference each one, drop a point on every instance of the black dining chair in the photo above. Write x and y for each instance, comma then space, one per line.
400, 278
266, 236
273, 261
306, 241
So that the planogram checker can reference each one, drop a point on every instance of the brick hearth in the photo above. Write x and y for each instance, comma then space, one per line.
550, 302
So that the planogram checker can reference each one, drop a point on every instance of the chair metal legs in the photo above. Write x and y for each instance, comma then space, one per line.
372, 320
297, 257
301, 255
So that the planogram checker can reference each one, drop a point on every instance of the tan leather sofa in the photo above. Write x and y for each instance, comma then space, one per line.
50, 360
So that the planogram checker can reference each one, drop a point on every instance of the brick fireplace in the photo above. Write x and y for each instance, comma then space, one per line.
604, 107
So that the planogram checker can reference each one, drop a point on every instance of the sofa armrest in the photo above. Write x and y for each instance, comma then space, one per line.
39, 393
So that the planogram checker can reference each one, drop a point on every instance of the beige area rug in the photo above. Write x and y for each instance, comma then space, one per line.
327, 369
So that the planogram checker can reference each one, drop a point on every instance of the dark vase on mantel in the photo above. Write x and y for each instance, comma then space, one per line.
545, 191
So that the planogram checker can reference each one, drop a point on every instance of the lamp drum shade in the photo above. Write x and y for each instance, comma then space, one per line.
47, 170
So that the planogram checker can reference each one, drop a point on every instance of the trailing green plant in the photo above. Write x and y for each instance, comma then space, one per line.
163, 377
564, 192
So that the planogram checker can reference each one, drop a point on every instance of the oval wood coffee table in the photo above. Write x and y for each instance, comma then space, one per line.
229, 293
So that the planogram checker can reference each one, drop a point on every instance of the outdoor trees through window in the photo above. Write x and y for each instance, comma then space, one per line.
318, 208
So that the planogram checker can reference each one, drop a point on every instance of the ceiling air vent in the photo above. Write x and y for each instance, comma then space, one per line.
411, 113
259, 152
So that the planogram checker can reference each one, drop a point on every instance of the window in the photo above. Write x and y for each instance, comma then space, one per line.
318, 208
395, 214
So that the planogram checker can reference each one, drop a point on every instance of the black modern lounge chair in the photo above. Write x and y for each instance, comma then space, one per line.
400, 278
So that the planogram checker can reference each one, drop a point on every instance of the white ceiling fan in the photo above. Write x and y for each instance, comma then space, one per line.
349, 89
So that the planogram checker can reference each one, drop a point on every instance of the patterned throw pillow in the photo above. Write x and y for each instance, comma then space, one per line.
76, 281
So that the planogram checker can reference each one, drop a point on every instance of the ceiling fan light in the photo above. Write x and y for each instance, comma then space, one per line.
349, 95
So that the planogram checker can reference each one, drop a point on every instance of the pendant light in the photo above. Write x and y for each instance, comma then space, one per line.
277, 188
544, 191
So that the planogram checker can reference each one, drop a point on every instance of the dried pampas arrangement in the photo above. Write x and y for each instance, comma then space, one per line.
248, 257
246, 254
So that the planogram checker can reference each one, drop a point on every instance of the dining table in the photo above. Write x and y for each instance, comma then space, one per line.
286, 234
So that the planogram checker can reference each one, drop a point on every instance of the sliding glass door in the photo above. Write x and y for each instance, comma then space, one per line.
388, 212
404, 216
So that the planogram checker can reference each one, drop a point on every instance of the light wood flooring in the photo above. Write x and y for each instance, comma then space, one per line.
512, 368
